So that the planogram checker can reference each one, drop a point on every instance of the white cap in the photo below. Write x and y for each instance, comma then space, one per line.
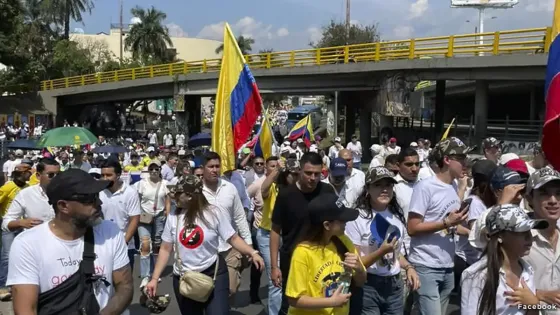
94, 170
375, 149
285, 149
313, 148
413, 144
191, 163
300, 140
18, 152
182, 152
286, 142
151, 149
508, 157
337, 139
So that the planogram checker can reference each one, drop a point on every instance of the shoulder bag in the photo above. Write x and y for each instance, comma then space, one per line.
193, 285
148, 218
76, 295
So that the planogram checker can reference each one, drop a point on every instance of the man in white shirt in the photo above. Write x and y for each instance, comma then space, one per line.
434, 217
120, 204
168, 139
355, 179
335, 148
223, 194
10, 165
355, 147
168, 168
152, 138
44, 257
180, 140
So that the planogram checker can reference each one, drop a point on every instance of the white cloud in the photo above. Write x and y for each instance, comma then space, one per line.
540, 6
282, 32
135, 20
418, 8
315, 34
403, 31
247, 26
176, 30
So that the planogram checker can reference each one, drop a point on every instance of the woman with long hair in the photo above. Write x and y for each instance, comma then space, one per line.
156, 205
193, 231
325, 264
501, 282
382, 255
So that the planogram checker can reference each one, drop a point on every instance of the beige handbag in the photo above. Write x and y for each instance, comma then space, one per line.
148, 218
194, 285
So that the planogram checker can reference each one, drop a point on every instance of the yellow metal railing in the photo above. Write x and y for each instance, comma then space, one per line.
525, 41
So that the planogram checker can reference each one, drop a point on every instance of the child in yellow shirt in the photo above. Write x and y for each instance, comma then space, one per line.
324, 262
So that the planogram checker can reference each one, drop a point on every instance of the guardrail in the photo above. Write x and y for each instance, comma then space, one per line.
525, 41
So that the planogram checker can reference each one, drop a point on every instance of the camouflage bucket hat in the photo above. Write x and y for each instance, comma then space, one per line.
378, 173
542, 177
490, 142
158, 304
449, 146
511, 218
191, 184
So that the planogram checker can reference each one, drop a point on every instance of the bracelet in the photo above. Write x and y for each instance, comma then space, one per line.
408, 267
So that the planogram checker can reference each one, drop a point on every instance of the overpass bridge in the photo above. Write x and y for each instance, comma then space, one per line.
359, 71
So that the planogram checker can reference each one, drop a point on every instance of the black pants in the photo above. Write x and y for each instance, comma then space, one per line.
218, 302
285, 260
255, 273
460, 266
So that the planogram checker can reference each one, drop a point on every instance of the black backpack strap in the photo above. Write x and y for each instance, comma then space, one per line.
88, 257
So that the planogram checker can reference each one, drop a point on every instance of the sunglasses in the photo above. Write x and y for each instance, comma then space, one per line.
411, 164
51, 175
96, 176
259, 163
154, 170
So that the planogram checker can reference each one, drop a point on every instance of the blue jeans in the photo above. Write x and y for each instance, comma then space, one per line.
218, 302
433, 294
152, 233
7, 239
379, 295
274, 293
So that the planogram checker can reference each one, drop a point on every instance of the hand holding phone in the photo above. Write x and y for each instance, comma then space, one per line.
465, 204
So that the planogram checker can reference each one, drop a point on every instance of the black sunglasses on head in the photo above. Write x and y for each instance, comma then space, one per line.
86, 199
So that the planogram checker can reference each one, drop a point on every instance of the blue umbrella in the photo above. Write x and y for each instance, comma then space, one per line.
200, 139
110, 149
23, 144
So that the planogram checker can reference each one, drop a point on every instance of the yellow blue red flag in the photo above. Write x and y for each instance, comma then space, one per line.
263, 147
304, 130
238, 103
551, 128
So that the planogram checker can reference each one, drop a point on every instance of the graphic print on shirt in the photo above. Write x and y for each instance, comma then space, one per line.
68, 262
329, 277
192, 236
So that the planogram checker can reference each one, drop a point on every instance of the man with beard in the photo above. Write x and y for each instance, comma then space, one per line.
120, 204
47, 255
338, 171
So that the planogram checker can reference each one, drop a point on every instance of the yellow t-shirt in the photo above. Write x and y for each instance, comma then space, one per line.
268, 207
313, 272
8, 192
132, 168
33, 180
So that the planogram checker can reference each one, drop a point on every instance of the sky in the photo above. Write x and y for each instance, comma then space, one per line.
293, 24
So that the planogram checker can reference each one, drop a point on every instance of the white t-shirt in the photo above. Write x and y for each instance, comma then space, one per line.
10, 166
147, 189
180, 139
464, 249
198, 246
359, 231
356, 150
433, 199
168, 139
153, 138
40, 258
120, 206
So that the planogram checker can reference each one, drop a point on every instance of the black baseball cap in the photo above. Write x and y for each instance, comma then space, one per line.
328, 207
73, 182
485, 168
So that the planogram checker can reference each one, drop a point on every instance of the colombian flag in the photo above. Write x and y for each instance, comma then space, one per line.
551, 129
263, 147
303, 129
238, 103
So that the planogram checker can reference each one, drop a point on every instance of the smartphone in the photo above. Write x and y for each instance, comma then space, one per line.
465, 204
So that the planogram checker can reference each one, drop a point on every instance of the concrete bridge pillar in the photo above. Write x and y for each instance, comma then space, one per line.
480, 111
193, 114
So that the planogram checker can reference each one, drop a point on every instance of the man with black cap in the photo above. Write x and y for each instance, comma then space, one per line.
44, 257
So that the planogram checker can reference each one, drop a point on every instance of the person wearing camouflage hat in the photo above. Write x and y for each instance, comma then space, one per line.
539, 160
491, 149
486, 285
434, 217
543, 195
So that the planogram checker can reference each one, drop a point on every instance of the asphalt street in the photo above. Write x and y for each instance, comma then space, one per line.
241, 303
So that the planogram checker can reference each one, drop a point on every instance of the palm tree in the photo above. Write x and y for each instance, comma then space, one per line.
149, 39
63, 11
244, 44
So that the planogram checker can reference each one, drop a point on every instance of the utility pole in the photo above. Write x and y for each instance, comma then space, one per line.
121, 31
347, 21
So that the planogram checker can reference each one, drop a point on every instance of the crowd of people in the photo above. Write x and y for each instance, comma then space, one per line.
332, 235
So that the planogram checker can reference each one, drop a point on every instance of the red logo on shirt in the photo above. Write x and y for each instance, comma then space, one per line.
191, 237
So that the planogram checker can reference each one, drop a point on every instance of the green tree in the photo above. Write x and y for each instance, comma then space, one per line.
244, 43
69, 59
334, 34
64, 11
149, 39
